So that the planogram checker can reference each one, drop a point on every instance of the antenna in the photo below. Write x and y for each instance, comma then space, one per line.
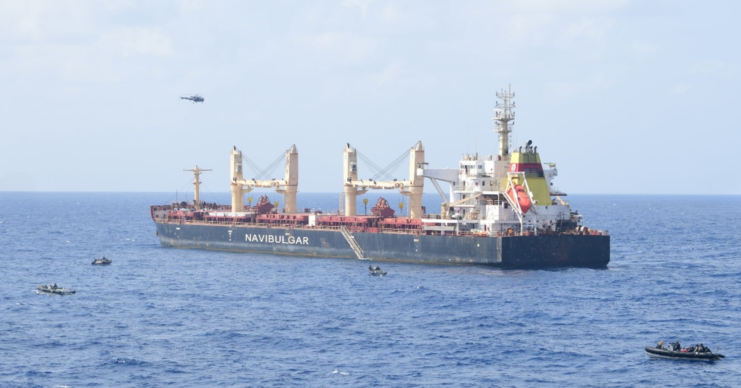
503, 114
197, 185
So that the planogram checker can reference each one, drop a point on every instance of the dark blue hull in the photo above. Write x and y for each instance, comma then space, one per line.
511, 251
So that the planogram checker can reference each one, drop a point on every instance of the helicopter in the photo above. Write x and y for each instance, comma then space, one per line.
195, 98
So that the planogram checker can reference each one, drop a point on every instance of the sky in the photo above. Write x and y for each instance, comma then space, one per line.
626, 97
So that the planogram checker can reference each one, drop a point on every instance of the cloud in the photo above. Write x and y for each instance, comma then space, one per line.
390, 72
390, 13
33, 21
565, 24
362, 4
560, 91
642, 48
138, 40
551, 30
589, 29
680, 89
339, 47
191, 6
714, 67
585, 38
529, 29
567, 5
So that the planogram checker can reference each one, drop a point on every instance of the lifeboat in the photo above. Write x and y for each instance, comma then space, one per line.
521, 197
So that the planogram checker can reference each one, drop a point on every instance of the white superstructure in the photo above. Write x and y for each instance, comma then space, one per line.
509, 192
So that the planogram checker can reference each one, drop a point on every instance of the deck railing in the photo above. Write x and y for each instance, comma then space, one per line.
415, 229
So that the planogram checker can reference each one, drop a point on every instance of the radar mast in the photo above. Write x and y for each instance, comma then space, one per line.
503, 114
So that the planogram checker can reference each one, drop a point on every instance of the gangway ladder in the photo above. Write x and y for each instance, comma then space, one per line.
353, 244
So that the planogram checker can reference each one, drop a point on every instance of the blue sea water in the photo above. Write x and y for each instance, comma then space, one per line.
189, 318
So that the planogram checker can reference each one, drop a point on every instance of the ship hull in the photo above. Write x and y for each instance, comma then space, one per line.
507, 251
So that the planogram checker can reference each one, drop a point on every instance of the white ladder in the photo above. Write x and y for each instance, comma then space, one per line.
353, 244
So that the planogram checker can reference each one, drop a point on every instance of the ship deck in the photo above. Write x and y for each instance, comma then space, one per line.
427, 225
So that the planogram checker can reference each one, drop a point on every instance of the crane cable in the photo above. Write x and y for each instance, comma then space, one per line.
267, 171
384, 173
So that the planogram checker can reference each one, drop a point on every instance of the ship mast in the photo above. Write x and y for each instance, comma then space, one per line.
503, 114
197, 184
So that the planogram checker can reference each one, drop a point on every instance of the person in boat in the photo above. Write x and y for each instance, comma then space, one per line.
660, 345
54, 287
676, 347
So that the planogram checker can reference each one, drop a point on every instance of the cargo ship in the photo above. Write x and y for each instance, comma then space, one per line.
499, 210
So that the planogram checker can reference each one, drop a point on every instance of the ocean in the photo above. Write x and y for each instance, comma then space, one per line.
190, 318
